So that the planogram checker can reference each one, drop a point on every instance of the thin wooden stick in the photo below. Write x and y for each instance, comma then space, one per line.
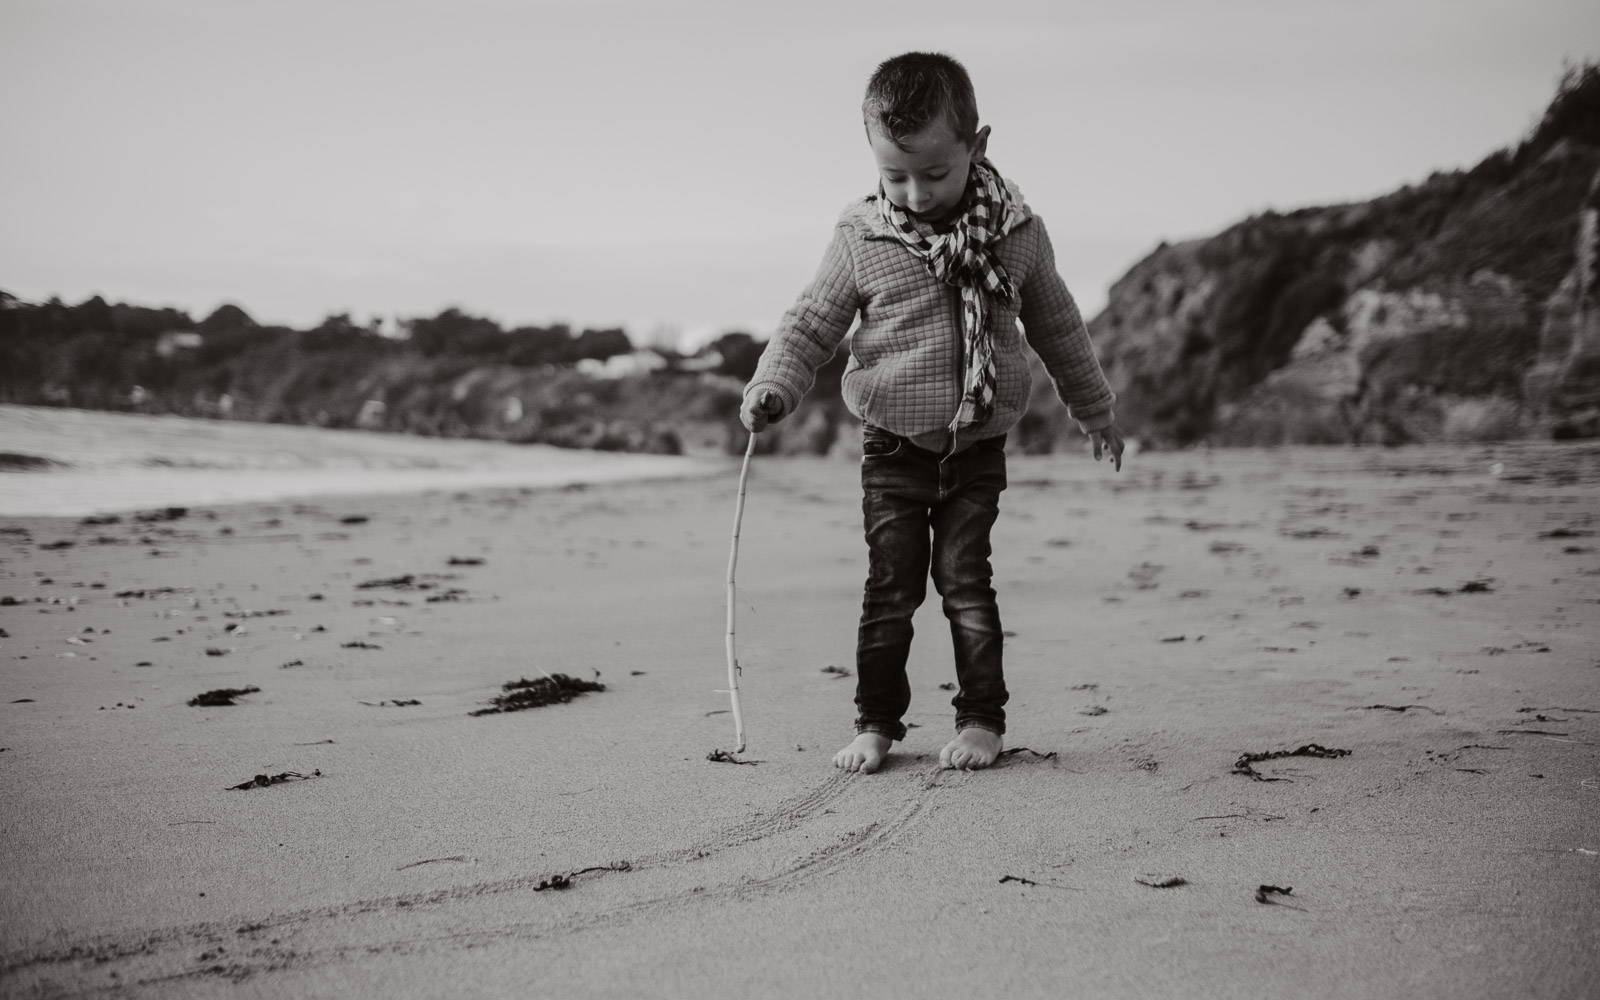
733, 561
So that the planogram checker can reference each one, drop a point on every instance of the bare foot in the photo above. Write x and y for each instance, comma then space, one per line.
973, 748
864, 754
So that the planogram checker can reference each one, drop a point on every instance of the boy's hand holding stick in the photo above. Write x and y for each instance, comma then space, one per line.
758, 413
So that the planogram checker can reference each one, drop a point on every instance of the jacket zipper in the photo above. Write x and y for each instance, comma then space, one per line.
961, 371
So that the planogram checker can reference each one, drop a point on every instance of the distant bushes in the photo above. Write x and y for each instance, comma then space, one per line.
451, 374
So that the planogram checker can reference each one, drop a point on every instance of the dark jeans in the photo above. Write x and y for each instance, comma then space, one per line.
926, 512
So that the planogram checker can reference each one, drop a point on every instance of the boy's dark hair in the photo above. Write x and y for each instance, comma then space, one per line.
910, 92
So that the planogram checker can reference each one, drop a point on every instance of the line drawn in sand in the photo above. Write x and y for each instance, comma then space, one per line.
404, 923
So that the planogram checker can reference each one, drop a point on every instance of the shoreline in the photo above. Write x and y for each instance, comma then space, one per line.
118, 463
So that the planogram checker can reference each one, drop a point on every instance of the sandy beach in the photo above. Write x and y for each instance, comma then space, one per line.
1431, 611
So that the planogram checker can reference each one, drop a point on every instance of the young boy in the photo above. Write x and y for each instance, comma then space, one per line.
940, 263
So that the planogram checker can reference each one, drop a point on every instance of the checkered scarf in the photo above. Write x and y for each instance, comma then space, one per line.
964, 257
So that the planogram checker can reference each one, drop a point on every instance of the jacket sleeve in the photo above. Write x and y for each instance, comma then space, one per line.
1055, 329
811, 329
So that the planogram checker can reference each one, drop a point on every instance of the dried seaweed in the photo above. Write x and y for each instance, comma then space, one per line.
835, 670
1028, 881
1483, 585
1242, 765
263, 780
222, 696
166, 514
559, 882
1045, 756
1264, 892
1394, 708
149, 592
1316, 531
546, 690
408, 581
399, 582
1159, 881
724, 757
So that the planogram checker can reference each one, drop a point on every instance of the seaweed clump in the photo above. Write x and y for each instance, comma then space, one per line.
546, 690
222, 696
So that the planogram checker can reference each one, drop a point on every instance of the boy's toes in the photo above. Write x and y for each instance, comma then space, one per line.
864, 753
971, 750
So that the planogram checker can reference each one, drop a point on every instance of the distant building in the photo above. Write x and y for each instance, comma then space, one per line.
372, 414
623, 365
174, 341
709, 361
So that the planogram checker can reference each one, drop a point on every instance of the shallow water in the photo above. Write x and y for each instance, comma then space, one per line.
101, 462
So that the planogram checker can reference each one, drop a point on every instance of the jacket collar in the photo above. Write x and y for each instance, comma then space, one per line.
864, 215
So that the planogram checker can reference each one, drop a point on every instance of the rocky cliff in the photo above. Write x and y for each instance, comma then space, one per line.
1463, 308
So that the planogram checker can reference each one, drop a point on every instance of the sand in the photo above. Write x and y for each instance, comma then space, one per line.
1432, 611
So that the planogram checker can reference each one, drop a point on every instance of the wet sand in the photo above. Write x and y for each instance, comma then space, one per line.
1430, 614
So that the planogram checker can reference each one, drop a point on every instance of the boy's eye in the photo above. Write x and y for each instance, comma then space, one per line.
938, 177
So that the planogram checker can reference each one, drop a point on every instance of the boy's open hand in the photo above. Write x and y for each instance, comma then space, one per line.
758, 413
1105, 439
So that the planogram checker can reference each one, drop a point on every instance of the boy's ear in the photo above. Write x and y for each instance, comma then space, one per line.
980, 144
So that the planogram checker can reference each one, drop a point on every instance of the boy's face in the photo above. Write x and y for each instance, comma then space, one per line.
929, 176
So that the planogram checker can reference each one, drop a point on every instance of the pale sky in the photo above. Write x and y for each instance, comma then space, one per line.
679, 166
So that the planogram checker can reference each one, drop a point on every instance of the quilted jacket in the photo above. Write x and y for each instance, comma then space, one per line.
904, 372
